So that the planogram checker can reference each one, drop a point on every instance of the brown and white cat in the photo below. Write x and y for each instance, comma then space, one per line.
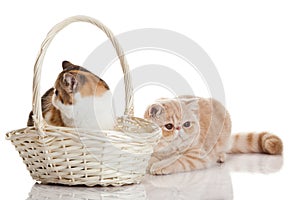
197, 134
79, 98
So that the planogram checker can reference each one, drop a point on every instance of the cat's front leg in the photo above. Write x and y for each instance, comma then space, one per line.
159, 167
152, 160
188, 161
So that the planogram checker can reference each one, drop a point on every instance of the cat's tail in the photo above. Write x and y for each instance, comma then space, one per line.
263, 142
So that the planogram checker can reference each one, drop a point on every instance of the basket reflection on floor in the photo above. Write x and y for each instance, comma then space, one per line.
47, 192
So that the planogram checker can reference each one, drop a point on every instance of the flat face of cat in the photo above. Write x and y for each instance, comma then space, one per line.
74, 84
178, 119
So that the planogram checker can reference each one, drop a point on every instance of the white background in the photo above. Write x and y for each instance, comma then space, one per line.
255, 46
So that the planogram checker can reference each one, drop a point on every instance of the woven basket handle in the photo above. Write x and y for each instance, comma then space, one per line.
39, 122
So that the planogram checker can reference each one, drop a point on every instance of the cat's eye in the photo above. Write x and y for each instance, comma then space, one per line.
187, 124
169, 126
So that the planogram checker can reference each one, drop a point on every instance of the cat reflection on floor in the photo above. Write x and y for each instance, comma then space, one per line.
213, 183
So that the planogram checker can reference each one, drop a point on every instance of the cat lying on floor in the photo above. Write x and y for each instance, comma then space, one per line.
197, 134
79, 98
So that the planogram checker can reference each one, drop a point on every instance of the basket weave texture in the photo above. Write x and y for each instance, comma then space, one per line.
74, 156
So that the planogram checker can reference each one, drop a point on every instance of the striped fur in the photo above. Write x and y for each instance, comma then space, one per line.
197, 134
78, 99
263, 142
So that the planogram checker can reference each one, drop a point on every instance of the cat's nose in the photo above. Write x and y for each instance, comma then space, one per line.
178, 128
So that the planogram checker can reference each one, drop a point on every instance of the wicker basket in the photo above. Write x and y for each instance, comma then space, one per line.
72, 156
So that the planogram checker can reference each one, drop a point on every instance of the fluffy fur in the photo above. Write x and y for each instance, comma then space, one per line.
79, 99
197, 134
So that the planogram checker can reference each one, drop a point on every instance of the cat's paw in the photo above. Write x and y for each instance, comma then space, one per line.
221, 158
157, 169
150, 163
272, 145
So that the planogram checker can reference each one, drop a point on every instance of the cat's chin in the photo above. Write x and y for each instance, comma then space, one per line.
169, 143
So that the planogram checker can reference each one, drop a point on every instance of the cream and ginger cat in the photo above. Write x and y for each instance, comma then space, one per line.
197, 134
79, 98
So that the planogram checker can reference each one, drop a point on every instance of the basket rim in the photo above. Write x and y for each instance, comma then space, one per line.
72, 132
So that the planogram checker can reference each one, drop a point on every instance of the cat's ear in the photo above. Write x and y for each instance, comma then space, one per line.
192, 104
65, 64
70, 82
155, 110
